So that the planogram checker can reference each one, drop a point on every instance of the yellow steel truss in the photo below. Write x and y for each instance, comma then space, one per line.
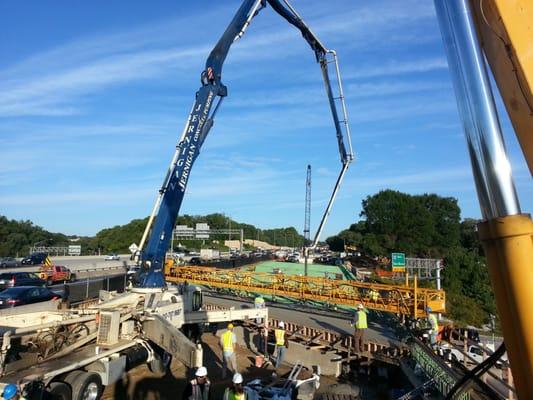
398, 299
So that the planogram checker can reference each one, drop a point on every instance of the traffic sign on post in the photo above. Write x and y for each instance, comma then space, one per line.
133, 248
398, 262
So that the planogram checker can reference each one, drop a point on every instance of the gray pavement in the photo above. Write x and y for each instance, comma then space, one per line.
77, 263
379, 329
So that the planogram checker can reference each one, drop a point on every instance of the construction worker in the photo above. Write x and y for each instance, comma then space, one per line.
263, 339
227, 342
259, 302
236, 390
434, 327
373, 295
281, 343
360, 324
198, 388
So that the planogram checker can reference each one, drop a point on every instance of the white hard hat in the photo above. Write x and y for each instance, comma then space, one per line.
201, 371
281, 324
237, 378
360, 306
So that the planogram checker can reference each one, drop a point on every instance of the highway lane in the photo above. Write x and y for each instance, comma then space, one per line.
76, 263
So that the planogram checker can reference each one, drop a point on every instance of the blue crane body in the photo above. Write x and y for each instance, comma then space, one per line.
200, 120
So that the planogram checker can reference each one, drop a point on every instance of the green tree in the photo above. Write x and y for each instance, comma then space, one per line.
428, 226
421, 226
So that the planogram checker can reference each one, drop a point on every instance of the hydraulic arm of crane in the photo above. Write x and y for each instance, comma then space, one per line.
200, 121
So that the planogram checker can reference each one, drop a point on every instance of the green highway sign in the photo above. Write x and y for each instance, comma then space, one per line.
398, 262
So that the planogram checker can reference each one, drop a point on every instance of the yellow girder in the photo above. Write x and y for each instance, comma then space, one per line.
397, 299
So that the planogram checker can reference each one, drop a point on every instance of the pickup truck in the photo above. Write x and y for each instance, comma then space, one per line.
474, 354
56, 273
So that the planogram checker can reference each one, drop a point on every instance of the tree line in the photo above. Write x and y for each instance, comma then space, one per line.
427, 226
18, 237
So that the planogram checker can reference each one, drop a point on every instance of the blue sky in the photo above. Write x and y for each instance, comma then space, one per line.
94, 95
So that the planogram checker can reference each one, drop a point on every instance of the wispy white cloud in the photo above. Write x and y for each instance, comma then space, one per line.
394, 67
88, 65
427, 178
54, 93
102, 196
315, 94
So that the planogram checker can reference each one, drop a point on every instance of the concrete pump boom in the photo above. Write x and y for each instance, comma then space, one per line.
200, 121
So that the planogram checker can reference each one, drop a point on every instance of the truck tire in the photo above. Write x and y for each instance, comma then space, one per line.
58, 391
72, 277
84, 385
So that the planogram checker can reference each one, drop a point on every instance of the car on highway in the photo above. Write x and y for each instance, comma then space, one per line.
21, 295
195, 261
12, 279
34, 259
293, 258
9, 262
112, 257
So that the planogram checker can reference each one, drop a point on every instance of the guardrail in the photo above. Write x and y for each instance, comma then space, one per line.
102, 269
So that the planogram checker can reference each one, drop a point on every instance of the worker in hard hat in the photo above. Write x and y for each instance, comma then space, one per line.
10, 392
236, 390
228, 341
434, 327
198, 388
360, 325
281, 343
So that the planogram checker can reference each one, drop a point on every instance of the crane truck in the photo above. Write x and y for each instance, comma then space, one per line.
72, 354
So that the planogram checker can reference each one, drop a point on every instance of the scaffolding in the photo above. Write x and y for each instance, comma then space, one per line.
402, 300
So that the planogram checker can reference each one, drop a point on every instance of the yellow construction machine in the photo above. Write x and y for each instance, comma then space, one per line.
502, 32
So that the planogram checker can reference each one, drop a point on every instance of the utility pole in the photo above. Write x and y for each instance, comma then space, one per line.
307, 223
172, 242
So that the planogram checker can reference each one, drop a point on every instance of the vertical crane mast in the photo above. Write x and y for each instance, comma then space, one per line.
307, 226
307, 223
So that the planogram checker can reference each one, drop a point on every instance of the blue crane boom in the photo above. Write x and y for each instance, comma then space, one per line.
200, 120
